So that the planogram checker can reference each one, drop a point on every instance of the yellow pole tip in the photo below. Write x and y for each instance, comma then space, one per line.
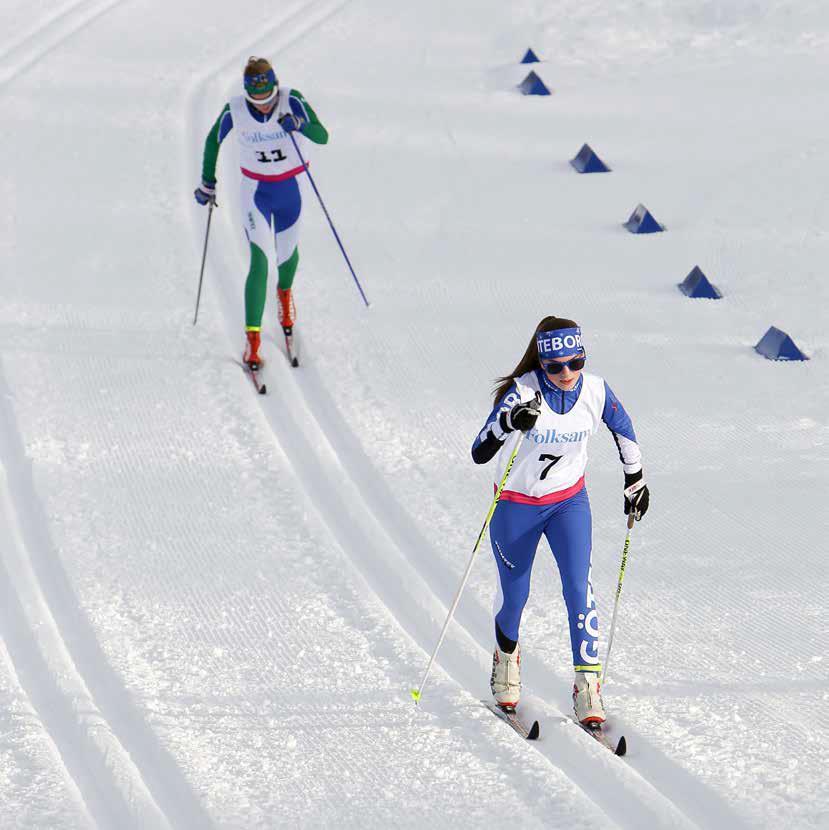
415, 695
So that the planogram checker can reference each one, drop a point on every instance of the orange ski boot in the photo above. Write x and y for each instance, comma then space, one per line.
287, 310
251, 357
287, 316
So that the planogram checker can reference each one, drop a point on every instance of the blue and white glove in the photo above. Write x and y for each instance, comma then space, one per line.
205, 194
290, 122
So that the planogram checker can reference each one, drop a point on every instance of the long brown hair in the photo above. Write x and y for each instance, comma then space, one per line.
530, 359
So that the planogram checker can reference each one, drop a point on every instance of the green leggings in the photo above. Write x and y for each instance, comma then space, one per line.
256, 286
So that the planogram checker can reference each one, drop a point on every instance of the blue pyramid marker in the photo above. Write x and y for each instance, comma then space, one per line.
641, 221
530, 57
777, 345
586, 161
533, 85
697, 286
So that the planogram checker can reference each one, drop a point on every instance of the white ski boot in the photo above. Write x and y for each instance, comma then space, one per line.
506, 677
587, 698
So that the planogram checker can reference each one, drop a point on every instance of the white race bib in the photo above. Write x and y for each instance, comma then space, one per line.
265, 150
553, 455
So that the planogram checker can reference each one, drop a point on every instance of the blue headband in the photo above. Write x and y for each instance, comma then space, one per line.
559, 343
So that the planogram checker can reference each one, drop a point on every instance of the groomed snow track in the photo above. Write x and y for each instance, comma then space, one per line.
33, 44
145, 607
124, 776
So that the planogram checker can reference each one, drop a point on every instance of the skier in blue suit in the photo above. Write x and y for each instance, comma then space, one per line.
557, 406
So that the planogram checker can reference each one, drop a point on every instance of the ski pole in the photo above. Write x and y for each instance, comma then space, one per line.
325, 211
625, 550
416, 693
203, 260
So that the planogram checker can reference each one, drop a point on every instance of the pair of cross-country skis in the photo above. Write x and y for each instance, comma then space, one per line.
254, 369
532, 731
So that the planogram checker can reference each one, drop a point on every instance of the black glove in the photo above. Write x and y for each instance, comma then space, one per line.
637, 495
522, 416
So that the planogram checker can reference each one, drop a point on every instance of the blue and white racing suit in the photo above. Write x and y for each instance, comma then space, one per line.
546, 494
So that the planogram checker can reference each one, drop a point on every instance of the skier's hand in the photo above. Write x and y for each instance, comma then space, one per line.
290, 122
205, 194
637, 495
522, 416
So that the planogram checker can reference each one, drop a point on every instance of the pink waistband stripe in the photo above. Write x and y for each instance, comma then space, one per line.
289, 174
550, 498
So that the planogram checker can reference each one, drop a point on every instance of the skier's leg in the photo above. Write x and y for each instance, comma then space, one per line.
287, 271
514, 532
256, 218
256, 288
286, 226
255, 221
569, 530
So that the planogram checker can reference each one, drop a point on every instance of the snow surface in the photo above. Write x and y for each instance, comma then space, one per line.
214, 604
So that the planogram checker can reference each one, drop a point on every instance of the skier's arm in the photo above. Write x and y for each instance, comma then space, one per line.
312, 127
488, 442
509, 414
637, 495
217, 134
621, 428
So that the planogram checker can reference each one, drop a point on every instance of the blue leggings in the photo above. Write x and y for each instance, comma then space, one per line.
515, 532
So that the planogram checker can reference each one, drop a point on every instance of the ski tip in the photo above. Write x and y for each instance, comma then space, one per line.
534, 732
621, 747
263, 390
294, 362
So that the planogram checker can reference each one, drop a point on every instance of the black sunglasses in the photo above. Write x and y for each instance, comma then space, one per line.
574, 364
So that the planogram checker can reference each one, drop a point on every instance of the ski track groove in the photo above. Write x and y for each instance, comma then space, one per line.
237, 53
41, 653
59, 27
158, 794
69, 732
104, 743
32, 33
323, 474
